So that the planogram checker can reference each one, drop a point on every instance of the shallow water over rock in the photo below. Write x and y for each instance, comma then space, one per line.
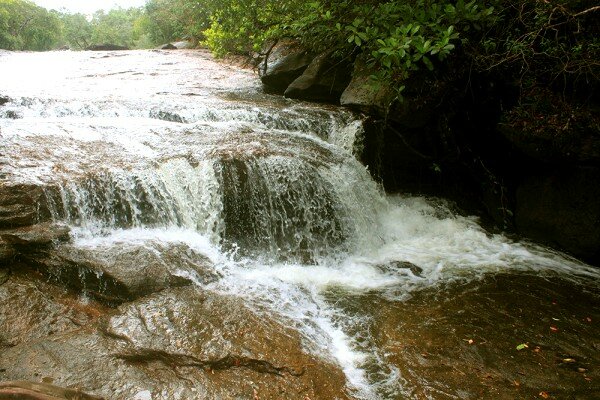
224, 243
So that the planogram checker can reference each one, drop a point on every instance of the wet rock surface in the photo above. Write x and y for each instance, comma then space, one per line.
459, 347
21, 205
7, 253
115, 276
31, 309
40, 391
180, 343
36, 235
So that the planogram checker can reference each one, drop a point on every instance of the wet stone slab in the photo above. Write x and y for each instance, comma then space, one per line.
179, 344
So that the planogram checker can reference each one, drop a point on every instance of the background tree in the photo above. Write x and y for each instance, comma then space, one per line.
25, 26
77, 31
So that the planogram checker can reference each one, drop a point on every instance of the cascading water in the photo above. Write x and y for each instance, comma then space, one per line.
267, 188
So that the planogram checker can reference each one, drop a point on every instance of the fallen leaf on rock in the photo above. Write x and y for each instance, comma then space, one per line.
544, 395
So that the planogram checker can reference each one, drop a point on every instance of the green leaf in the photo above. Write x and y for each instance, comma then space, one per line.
428, 63
522, 346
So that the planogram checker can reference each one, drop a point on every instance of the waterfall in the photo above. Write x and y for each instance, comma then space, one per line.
269, 189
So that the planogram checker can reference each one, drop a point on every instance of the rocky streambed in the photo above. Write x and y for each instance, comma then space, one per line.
168, 231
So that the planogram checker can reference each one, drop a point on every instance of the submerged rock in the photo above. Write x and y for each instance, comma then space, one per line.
181, 344
4, 275
404, 265
461, 339
40, 391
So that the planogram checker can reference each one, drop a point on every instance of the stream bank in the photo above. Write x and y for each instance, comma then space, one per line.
528, 163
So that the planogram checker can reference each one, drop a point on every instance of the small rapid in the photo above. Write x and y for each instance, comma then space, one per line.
138, 151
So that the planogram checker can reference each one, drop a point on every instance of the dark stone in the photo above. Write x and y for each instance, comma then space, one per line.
247, 199
4, 100
22, 390
571, 147
562, 208
286, 62
324, 80
168, 46
420, 98
107, 47
404, 265
11, 114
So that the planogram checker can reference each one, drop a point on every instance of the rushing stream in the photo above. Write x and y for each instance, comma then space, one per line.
161, 150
